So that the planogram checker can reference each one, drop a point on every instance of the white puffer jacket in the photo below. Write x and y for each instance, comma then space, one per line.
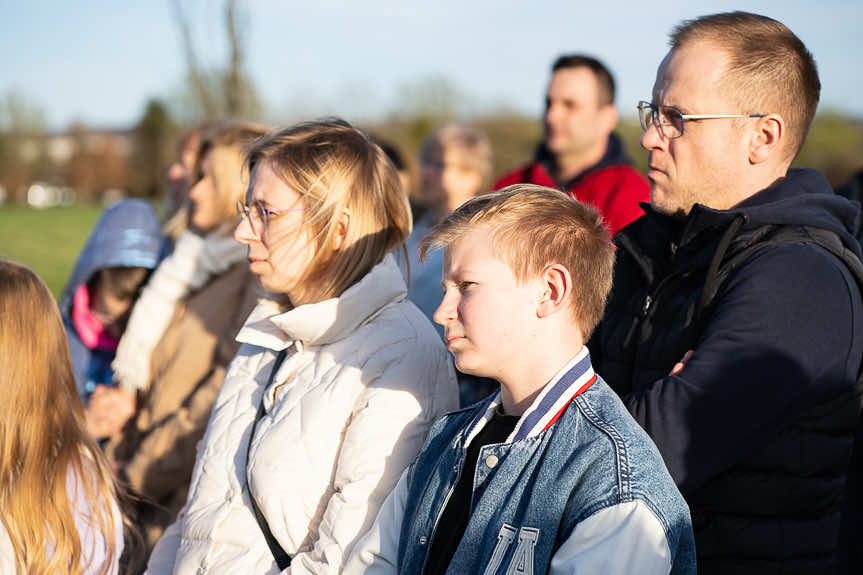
364, 378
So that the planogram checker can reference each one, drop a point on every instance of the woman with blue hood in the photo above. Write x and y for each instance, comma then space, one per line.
124, 246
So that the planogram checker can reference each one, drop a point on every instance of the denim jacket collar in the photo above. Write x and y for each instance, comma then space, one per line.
572, 379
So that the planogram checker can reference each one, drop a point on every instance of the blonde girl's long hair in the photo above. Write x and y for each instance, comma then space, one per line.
43, 441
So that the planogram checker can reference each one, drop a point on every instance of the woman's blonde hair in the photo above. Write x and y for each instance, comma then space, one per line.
43, 440
226, 142
337, 168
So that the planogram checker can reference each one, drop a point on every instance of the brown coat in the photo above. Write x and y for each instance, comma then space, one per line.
156, 450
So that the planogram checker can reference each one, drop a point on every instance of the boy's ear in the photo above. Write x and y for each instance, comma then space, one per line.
557, 283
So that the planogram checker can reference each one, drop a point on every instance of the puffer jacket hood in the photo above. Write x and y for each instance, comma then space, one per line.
127, 234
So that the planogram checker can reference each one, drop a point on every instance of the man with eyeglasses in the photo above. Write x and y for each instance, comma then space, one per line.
733, 332
581, 156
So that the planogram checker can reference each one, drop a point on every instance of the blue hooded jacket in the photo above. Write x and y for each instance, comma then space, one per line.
128, 234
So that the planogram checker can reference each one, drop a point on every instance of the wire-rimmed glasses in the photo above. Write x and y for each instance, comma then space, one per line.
670, 120
258, 214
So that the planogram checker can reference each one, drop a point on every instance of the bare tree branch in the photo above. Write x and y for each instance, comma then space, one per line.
234, 78
206, 99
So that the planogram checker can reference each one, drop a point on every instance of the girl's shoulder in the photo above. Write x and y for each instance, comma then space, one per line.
94, 542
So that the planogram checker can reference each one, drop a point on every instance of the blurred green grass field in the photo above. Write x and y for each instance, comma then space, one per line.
48, 241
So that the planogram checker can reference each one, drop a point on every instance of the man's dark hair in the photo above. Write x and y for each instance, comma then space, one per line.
603, 76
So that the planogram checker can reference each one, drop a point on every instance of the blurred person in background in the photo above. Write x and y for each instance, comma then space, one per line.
59, 502
455, 166
180, 177
398, 161
581, 156
122, 249
204, 301
339, 377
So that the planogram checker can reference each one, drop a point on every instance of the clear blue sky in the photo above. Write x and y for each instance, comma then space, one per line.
98, 61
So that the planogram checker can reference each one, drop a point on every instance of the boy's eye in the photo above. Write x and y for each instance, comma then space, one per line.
463, 286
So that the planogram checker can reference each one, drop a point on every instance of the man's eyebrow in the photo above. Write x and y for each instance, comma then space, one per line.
678, 107
682, 109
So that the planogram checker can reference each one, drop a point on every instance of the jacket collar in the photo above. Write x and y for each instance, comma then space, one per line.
615, 155
327, 321
802, 197
573, 379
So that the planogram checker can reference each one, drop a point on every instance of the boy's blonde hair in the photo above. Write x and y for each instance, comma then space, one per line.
532, 227
336, 167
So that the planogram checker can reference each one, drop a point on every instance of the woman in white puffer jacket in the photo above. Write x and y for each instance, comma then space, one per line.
337, 382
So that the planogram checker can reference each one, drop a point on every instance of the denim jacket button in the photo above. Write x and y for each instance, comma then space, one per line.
491, 461
423, 540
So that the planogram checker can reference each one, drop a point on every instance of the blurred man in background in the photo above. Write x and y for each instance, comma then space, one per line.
581, 155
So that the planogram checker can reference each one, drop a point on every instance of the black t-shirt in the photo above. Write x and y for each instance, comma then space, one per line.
455, 516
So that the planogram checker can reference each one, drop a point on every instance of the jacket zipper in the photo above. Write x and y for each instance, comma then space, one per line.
652, 296
439, 514
645, 307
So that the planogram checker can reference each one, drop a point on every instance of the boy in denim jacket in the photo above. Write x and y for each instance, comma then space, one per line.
550, 474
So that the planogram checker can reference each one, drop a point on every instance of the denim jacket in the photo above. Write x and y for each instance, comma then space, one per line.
578, 485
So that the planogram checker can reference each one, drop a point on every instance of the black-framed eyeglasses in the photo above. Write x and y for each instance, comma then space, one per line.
258, 214
669, 120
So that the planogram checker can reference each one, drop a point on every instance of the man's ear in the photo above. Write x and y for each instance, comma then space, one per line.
342, 226
557, 285
611, 116
768, 139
